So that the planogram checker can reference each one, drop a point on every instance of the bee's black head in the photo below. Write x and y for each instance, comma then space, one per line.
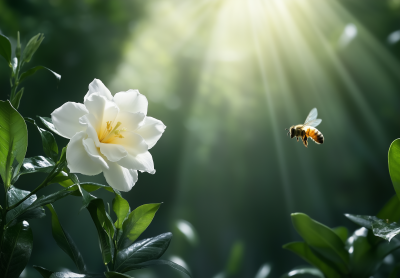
291, 131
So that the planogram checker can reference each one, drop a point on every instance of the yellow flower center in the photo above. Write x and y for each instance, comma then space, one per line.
110, 133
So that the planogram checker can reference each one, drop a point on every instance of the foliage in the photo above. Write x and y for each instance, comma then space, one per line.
121, 252
334, 254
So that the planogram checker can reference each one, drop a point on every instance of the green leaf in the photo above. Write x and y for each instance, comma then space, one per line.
65, 242
34, 164
31, 47
381, 228
121, 209
362, 220
50, 147
5, 48
303, 250
138, 220
44, 272
304, 271
342, 232
32, 71
391, 210
113, 274
13, 140
394, 165
163, 262
142, 251
17, 98
384, 229
323, 240
16, 250
49, 124
106, 245
14, 195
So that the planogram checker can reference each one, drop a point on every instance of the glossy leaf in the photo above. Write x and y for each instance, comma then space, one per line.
362, 220
142, 251
65, 242
32, 71
16, 250
17, 98
121, 209
138, 220
391, 210
385, 229
5, 48
342, 232
36, 164
49, 124
13, 140
14, 195
394, 165
44, 272
304, 271
31, 47
113, 274
381, 228
163, 262
106, 245
323, 240
302, 250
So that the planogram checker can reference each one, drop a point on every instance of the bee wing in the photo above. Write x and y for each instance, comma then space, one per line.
311, 116
313, 123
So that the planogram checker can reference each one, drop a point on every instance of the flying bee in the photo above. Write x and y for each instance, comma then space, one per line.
308, 129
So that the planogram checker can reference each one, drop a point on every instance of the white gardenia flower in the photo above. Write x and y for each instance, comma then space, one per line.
109, 134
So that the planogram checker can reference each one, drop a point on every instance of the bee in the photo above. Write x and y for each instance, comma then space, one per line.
308, 129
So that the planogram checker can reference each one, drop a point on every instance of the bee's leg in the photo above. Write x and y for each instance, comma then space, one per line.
297, 138
305, 141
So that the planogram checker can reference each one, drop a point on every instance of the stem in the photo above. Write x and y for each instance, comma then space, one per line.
3, 221
16, 80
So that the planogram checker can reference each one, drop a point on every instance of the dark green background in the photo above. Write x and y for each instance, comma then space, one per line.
226, 78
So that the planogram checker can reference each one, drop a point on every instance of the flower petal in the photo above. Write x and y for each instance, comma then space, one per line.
98, 87
94, 154
130, 121
119, 177
66, 118
101, 111
87, 121
113, 152
131, 101
142, 162
151, 131
79, 161
133, 143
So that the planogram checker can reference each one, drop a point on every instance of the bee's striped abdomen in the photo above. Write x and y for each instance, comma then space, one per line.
314, 134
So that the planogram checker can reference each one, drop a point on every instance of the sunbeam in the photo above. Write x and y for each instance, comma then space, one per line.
234, 74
